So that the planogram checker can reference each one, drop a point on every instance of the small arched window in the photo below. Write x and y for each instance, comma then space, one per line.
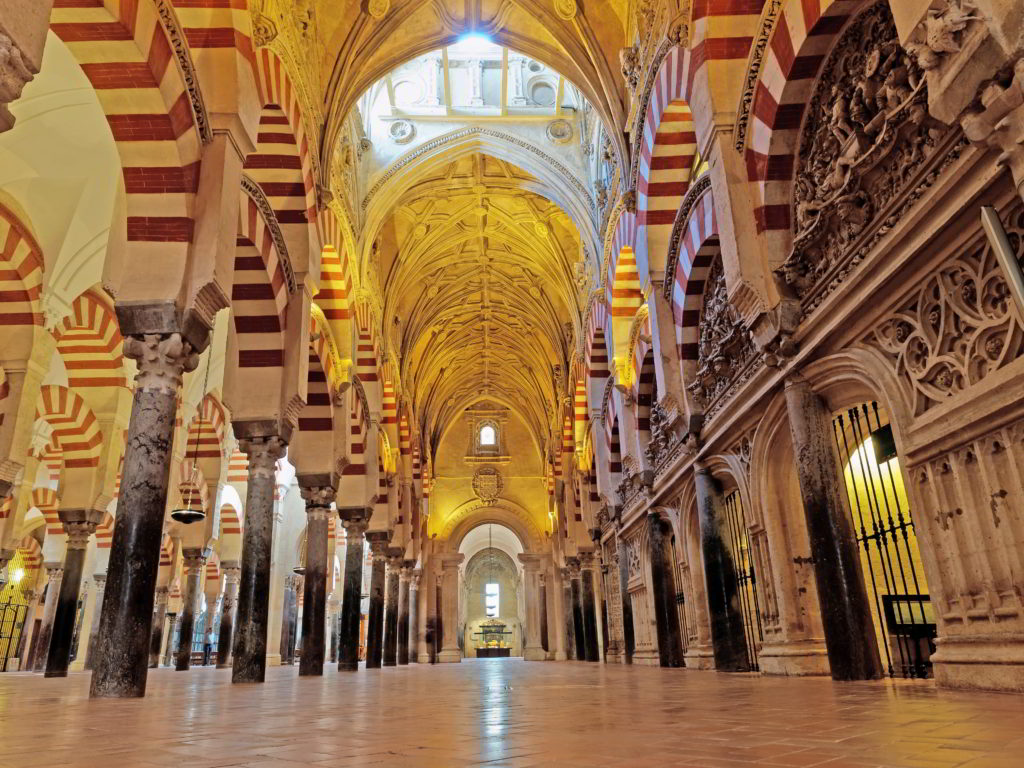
488, 436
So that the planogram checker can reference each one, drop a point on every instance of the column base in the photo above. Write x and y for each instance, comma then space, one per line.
799, 659
699, 657
983, 663
273, 659
423, 658
450, 656
561, 656
645, 658
535, 654
78, 665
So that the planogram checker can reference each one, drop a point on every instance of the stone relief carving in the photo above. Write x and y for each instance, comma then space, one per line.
956, 328
559, 131
14, 72
487, 484
866, 138
725, 347
565, 9
941, 32
402, 131
378, 8
629, 64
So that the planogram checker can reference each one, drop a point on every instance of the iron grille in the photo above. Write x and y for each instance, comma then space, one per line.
890, 555
12, 623
746, 579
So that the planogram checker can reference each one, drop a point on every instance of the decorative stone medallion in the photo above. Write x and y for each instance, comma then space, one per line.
565, 9
402, 131
487, 484
378, 8
559, 131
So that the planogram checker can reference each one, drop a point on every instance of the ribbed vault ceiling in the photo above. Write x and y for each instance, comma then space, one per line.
478, 291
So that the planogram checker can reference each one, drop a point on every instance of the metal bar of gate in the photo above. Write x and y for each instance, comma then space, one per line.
744, 576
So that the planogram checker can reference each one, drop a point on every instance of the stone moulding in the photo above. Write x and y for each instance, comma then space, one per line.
769, 16
175, 36
255, 193
693, 196
641, 110
477, 130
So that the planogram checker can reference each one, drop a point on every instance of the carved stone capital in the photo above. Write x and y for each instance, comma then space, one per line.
263, 453
162, 359
194, 559
318, 496
15, 72
79, 533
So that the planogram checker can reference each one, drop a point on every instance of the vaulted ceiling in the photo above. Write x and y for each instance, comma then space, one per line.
479, 297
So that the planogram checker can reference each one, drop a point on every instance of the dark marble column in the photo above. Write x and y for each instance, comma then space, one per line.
355, 521
544, 614
570, 619
99, 581
628, 638
288, 610
589, 607
391, 607
232, 572
842, 593
666, 617
54, 575
314, 600
414, 616
173, 637
249, 653
579, 628
156, 637
375, 619
334, 621
403, 611
126, 622
79, 526
194, 562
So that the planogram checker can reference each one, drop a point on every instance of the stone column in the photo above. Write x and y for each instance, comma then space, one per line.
54, 574
628, 638
99, 580
589, 607
556, 620
334, 621
232, 572
414, 616
26, 629
531, 582
156, 633
576, 592
355, 521
543, 614
122, 658
194, 562
314, 601
375, 618
391, 607
287, 646
79, 526
249, 662
666, 616
403, 611
568, 615
842, 593
450, 608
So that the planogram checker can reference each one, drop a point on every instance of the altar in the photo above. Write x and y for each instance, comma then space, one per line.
492, 643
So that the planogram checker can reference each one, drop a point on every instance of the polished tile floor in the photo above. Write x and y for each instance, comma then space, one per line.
504, 712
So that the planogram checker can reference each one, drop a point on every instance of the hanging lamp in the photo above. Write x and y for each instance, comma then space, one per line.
192, 510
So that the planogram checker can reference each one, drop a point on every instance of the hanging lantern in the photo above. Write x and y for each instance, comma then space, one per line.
192, 510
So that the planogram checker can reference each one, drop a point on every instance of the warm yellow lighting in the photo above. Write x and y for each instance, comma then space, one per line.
17, 576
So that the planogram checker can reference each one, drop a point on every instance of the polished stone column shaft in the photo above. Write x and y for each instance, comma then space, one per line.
391, 611
666, 617
156, 638
195, 561
314, 601
403, 612
99, 581
375, 616
122, 661
54, 576
531, 583
348, 642
628, 638
450, 652
842, 593
78, 530
232, 572
544, 615
288, 611
569, 616
249, 661
414, 617
576, 592
589, 608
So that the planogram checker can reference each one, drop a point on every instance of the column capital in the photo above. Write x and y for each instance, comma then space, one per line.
355, 527
99, 579
78, 534
263, 453
195, 558
531, 562
318, 490
162, 359
378, 545
451, 560
54, 571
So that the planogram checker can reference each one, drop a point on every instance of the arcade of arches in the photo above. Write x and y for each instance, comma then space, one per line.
643, 332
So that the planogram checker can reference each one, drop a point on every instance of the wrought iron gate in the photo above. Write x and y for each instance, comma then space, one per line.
680, 597
739, 541
12, 624
890, 556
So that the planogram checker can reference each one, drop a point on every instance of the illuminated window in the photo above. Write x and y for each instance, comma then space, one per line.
488, 436
491, 600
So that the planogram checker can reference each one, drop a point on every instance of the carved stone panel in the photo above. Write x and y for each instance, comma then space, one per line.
957, 327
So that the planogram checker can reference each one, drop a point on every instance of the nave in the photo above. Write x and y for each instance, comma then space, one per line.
506, 714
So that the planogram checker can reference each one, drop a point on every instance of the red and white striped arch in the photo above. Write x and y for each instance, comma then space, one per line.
21, 273
259, 294
31, 554
697, 249
46, 501
317, 414
76, 433
230, 521
799, 43
105, 532
125, 53
90, 344
359, 425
